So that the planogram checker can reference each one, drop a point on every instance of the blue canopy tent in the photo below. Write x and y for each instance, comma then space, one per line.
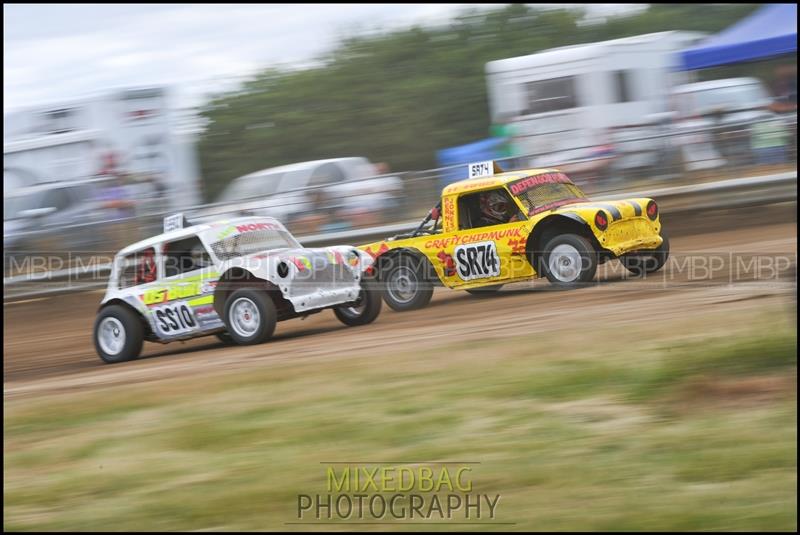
485, 149
770, 31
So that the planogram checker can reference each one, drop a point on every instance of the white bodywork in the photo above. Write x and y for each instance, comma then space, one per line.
72, 140
182, 306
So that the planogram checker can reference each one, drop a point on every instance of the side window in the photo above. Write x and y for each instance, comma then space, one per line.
487, 208
138, 268
268, 184
623, 86
292, 180
552, 95
183, 256
328, 173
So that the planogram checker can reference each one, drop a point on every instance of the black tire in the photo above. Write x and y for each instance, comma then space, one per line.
118, 321
367, 308
242, 302
484, 291
416, 290
570, 249
225, 337
643, 262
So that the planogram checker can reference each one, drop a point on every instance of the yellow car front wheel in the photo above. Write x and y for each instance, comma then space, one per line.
569, 261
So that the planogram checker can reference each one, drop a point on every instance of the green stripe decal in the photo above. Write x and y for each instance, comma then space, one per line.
207, 300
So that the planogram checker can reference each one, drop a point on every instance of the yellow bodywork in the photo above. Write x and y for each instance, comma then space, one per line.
629, 229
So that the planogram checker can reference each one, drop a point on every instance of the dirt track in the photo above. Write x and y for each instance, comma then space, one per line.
48, 348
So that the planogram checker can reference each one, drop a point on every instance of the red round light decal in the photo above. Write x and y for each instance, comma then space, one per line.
600, 220
652, 210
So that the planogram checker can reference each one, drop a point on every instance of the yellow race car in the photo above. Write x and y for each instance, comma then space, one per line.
499, 227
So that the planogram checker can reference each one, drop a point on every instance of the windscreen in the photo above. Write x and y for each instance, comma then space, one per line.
251, 187
735, 96
545, 192
253, 241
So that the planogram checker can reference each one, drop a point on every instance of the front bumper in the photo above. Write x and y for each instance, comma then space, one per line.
631, 234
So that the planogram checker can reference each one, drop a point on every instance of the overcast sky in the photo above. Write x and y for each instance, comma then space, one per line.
59, 52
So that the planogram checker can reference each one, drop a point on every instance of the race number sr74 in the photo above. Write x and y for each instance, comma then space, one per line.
477, 260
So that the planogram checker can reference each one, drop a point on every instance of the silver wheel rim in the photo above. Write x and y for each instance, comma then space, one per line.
356, 310
111, 336
565, 263
244, 316
402, 286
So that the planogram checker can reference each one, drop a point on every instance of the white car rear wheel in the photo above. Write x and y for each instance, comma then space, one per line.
250, 316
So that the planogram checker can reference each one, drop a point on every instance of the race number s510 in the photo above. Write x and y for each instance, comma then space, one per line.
175, 318
477, 260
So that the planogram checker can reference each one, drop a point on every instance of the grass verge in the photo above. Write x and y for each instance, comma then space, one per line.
643, 434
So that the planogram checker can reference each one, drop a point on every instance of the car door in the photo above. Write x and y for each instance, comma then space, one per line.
182, 300
138, 283
487, 251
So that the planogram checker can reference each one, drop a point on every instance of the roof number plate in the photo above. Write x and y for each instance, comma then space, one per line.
173, 222
480, 169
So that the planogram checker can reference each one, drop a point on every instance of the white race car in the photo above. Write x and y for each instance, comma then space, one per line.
234, 279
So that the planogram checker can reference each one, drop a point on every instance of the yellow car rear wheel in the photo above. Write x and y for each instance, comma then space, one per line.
405, 284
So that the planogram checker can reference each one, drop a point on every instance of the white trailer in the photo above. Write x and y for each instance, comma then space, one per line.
565, 99
131, 130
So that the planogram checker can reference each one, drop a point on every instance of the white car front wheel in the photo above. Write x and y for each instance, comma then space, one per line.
366, 309
118, 334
